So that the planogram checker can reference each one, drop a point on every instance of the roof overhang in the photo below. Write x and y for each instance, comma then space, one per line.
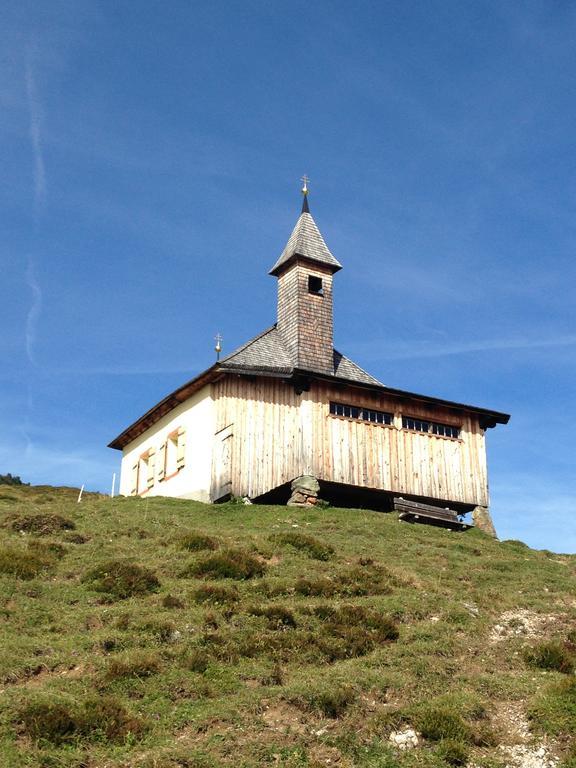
312, 263
487, 418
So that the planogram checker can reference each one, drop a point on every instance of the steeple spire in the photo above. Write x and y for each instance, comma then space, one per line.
305, 242
305, 181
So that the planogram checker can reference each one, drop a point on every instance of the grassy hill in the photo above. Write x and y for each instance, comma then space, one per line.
162, 633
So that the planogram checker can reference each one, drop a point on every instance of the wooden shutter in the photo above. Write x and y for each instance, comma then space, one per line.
162, 462
134, 489
181, 448
150, 477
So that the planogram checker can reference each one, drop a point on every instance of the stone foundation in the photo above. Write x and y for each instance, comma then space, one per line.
483, 521
304, 492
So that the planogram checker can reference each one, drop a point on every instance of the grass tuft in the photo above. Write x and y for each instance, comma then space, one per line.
552, 655
216, 594
139, 664
331, 703
103, 718
279, 617
25, 564
314, 548
169, 601
228, 564
453, 752
196, 542
438, 723
196, 660
122, 579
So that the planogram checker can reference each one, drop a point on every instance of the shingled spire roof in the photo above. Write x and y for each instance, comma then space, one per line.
306, 242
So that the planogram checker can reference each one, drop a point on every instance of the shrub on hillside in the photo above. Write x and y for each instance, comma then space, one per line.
308, 544
42, 525
216, 594
196, 542
24, 563
196, 660
358, 581
122, 579
437, 723
228, 564
169, 601
10, 479
139, 664
453, 752
58, 722
352, 631
279, 617
552, 655
331, 703
319, 587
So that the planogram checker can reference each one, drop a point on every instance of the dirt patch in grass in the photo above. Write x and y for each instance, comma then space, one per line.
520, 623
41, 525
282, 716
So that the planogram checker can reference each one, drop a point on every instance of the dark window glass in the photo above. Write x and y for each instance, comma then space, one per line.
365, 414
315, 285
418, 425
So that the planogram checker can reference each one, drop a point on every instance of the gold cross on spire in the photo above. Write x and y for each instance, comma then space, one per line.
218, 348
305, 181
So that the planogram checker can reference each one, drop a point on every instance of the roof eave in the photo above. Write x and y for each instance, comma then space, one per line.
164, 406
490, 417
280, 266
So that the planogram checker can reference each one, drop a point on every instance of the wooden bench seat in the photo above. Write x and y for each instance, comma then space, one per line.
417, 512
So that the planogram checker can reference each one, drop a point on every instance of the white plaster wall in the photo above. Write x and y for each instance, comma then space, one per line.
192, 481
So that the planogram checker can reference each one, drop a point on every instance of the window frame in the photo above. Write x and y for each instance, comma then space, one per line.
355, 413
430, 427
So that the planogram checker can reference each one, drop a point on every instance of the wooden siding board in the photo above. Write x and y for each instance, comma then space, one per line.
279, 435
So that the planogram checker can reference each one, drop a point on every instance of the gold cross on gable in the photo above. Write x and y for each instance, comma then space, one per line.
218, 348
305, 181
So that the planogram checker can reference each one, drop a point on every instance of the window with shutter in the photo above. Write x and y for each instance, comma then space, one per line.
150, 474
134, 484
181, 448
161, 462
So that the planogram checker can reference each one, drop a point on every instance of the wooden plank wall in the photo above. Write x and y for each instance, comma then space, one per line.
279, 435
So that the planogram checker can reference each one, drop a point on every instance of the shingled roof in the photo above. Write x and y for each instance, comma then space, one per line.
267, 354
306, 242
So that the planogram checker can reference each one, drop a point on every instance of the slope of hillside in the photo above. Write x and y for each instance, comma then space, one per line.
162, 634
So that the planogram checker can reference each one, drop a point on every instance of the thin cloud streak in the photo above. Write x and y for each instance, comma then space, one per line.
421, 349
39, 169
33, 313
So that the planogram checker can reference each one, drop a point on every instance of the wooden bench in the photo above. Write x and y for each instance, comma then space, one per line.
416, 512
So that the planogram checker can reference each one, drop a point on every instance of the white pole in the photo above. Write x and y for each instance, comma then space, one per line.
113, 484
80, 494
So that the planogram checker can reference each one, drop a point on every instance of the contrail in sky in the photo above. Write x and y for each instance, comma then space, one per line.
39, 176
39, 171
33, 312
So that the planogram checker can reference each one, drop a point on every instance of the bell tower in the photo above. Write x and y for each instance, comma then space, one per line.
305, 312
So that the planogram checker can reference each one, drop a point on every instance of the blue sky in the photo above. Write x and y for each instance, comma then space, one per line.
151, 156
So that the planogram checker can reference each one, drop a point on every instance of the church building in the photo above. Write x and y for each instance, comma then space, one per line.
287, 404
